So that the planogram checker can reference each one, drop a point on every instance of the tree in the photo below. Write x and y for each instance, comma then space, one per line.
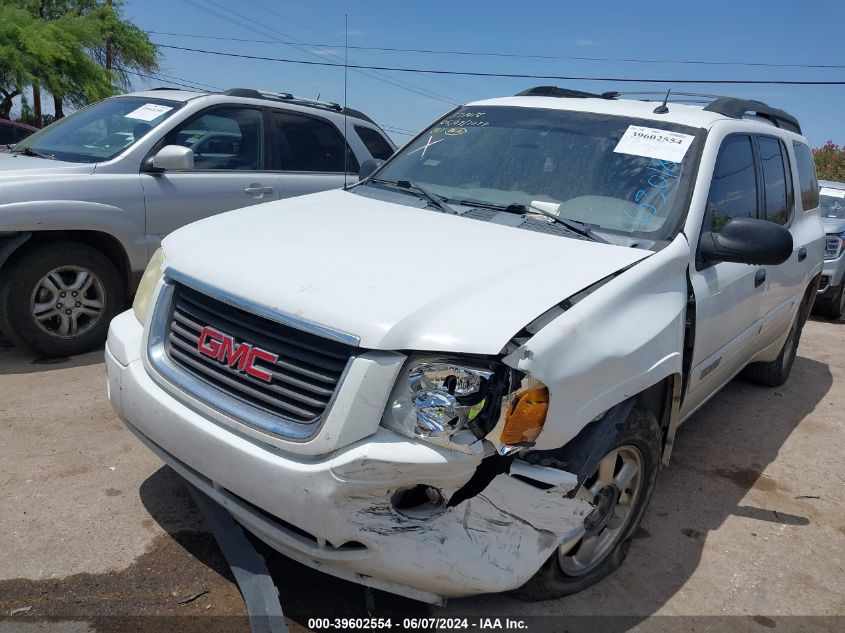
14, 68
830, 162
78, 50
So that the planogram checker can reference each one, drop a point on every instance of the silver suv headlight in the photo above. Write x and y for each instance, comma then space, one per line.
435, 398
833, 245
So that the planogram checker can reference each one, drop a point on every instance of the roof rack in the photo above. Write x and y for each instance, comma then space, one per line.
736, 108
287, 97
282, 96
729, 106
565, 93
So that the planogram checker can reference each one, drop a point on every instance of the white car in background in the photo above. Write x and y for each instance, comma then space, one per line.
463, 374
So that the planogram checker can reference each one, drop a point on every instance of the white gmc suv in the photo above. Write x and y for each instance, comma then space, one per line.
463, 374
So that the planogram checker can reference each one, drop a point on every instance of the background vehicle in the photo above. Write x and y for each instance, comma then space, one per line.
12, 132
86, 201
488, 410
830, 300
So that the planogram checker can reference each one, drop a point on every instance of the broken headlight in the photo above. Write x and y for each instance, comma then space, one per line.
436, 398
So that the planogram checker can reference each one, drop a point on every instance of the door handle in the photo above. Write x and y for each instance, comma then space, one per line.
255, 189
759, 277
802, 254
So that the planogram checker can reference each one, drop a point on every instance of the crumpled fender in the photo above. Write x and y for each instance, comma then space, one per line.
623, 338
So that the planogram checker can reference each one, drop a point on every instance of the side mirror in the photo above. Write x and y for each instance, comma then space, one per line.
174, 158
368, 167
747, 241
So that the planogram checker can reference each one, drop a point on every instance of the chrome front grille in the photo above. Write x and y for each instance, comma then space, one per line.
302, 380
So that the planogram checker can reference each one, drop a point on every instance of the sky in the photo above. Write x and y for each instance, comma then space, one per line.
775, 32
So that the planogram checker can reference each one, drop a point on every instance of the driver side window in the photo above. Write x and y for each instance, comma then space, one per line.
223, 139
733, 190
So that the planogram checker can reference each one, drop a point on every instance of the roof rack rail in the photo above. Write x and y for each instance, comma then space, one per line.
736, 108
554, 91
287, 97
733, 107
251, 93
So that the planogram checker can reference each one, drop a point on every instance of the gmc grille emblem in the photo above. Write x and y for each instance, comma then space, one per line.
242, 356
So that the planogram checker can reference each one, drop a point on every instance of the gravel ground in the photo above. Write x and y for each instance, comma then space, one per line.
746, 530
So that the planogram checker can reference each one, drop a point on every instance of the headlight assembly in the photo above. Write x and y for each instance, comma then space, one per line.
437, 398
146, 289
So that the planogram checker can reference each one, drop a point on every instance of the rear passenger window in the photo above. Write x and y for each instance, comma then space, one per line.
733, 191
309, 144
807, 180
376, 144
775, 177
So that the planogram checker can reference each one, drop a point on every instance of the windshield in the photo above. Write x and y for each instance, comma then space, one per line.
99, 132
832, 202
619, 174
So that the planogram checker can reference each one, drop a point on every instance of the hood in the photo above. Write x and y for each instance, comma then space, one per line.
17, 166
397, 277
834, 225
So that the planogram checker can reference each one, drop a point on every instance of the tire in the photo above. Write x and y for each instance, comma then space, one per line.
30, 296
557, 578
774, 373
835, 305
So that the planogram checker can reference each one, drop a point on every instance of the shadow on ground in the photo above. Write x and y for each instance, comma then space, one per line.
719, 457
14, 360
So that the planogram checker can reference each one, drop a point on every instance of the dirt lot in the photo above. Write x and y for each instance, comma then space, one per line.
747, 526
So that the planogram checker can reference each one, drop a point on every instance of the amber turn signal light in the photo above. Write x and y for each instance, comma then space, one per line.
525, 416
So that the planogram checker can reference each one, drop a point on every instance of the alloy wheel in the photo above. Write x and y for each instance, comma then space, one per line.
68, 301
614, 491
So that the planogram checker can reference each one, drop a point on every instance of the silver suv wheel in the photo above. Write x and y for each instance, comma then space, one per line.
68, 301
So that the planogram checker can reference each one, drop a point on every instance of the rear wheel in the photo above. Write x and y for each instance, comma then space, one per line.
58, 299
619, 490
775, 373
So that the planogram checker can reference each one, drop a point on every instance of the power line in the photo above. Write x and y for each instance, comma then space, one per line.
366, 51
393, 130
160, 74
176, 81
239, 21
467, 73
510, 55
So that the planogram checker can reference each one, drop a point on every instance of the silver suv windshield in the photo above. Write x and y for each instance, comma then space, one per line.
618, 174
99, 132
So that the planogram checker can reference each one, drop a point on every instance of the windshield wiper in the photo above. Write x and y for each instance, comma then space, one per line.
411, 186
576, 226
28, 151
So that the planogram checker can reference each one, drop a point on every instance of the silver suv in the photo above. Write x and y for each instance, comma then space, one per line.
87, 200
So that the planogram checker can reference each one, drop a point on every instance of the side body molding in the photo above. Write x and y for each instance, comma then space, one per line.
623, 338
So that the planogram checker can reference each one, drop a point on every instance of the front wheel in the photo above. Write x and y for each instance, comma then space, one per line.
619, 490
58, 299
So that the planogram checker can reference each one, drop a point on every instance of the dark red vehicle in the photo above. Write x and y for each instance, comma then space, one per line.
12, 132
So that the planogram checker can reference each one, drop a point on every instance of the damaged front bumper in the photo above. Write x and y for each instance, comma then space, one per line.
338, 512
